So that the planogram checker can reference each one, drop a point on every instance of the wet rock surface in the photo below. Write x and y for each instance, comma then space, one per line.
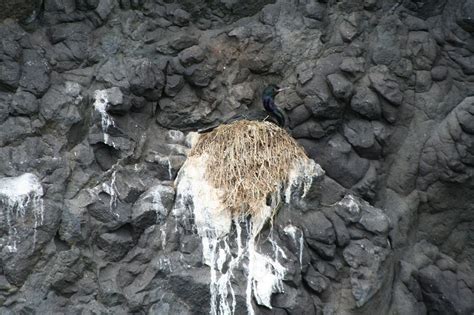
96, 101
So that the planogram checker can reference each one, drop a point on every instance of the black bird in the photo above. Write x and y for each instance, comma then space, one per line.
268, 99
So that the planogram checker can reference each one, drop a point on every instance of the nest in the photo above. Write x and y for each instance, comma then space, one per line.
248, 161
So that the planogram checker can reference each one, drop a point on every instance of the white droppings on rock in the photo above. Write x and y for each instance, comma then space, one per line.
191, 139
350, 203
195, 195
154, 196
293, 231
197, 198
100, 105
111, 189
175, 136
170, 170
301, 175
351, 207
18, 194
267, 278
163, 236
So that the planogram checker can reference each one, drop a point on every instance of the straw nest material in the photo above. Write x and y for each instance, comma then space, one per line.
248, 161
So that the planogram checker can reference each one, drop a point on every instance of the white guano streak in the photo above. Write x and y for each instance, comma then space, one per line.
18, 194
100, 105
264, 273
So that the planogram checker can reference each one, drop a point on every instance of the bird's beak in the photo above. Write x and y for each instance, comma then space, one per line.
282, 89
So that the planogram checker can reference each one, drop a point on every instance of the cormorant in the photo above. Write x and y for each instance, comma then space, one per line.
268, 99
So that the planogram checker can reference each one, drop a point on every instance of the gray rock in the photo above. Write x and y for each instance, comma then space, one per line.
304, 72
315, 10
465, 115
174, 83
180, 17
5, 101
340, 86
370, 4
10, 50
66, 270
175, 137
342, 235
183, 41
324, 107
104, 8
114, 73
185, 109
326, 269
442, 292
191, 55
295, 302
15, 128
311, 129
366, 103
258, 59
348, 30
244, 93
35, 73
261, 33
60, 104
270, 14
342, 163
24, 103
153, 206
385, 47
466, 17
116, 244
9, 74
367, 269
349, 209
422, 49
240, 32
374, 220
146, 78
439, 73
325, 251
67, 6
416, 24
403, 69
200, 75
17, 9
318, 228
114, 96
298, 115
423, 81
360, 134
353, 65
316, 281
386, 85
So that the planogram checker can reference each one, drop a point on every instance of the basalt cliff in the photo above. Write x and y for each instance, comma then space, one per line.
102, 211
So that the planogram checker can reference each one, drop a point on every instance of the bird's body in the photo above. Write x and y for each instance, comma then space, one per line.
268, 99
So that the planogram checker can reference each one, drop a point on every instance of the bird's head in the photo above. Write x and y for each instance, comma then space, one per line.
271, 90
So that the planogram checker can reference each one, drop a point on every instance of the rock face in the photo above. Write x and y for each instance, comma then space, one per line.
96, 101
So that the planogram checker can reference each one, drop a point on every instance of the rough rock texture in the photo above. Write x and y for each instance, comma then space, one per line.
96, 98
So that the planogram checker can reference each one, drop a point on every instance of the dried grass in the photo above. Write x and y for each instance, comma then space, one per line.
248, 161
